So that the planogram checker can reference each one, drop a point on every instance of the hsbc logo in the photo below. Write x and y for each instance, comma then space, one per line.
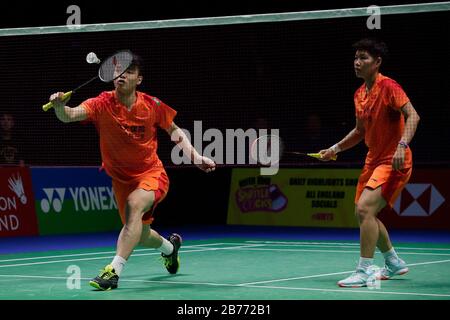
84, 199
418, 200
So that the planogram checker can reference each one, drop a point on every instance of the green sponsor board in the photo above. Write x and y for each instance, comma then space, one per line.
74, 200
70, 220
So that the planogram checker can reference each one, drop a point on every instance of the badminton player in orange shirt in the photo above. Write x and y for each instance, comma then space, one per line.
387, 121
127, 121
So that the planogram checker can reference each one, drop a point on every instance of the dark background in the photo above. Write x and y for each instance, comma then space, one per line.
226, 76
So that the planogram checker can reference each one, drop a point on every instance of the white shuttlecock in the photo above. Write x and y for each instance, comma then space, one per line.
92, 58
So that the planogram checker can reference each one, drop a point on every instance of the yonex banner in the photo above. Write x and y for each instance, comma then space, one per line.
17, 213
293, 197
71, 200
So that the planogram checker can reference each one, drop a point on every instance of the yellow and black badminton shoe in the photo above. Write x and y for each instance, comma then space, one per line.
106, 280
172, 261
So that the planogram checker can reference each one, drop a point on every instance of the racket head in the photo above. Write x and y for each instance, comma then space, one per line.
115, 65
267, 149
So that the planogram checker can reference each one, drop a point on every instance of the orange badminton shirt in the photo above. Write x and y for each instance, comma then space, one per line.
128, 141
379, 110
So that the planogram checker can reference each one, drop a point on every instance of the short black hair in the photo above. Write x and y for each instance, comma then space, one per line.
137, 63
376, 48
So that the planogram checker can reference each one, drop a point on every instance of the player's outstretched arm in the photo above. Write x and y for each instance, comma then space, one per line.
65, 113
351, 139
179, 137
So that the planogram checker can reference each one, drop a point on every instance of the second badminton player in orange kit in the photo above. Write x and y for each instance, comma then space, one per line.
127, 122
381, 107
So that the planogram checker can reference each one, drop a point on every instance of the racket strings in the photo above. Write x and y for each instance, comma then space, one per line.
116, 65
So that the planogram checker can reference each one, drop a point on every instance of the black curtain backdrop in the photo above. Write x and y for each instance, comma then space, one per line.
296, 76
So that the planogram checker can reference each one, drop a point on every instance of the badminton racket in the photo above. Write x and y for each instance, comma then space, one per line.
110, 69
269, 149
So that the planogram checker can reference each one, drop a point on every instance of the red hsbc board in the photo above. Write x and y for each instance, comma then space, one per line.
423, 204
17, 208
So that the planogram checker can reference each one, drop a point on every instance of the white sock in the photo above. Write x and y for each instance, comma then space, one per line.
118, 263
391, 255
365, 263
166, 247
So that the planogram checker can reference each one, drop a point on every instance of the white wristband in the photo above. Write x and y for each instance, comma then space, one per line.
336, 148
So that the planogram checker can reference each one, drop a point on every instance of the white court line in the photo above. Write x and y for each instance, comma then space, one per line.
354, 291
280, 243
337, 244
250, 247
296, 278
103, 252
343, 251
247, 286
332, 274
302, 242
425, 263
134, 255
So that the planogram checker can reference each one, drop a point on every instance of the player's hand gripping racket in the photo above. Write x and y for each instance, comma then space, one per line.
110, 69
262, 148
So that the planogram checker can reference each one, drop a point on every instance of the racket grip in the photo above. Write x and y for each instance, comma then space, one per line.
49, 105
317, 156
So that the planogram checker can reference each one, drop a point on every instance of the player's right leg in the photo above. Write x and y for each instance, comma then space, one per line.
393, 264
137, 203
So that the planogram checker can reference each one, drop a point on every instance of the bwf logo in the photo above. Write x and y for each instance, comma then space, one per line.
16, 185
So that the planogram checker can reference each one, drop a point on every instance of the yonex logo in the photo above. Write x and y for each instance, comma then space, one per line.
55, 199
85, 199
418, 200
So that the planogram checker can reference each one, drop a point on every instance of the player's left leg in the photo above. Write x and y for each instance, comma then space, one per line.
384, 243
393, 264
168, 247
391, 190
150, 238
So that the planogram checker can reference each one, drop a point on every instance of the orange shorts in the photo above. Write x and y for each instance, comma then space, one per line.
153, 180
391, 181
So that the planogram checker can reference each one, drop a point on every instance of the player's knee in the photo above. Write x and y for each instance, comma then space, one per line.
132, 214
134, 205
362, 211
